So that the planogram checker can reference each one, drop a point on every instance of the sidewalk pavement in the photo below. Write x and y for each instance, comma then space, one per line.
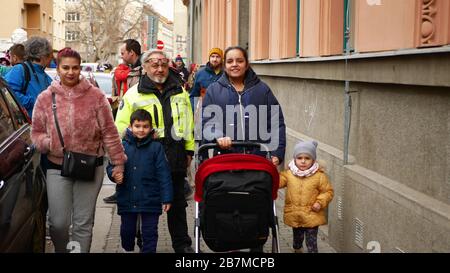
106, 234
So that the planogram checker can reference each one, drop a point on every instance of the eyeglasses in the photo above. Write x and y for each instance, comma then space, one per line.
157, 61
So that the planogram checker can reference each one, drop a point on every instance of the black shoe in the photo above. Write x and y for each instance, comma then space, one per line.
258, 249
187, 249
111, 199
188, 193
187, 189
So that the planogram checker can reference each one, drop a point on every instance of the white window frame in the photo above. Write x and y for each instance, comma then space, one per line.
72, 16
72, 36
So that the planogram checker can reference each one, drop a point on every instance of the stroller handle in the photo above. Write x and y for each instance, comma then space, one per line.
243, 144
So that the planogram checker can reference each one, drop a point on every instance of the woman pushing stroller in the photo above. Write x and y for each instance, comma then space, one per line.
240, 107
249, 110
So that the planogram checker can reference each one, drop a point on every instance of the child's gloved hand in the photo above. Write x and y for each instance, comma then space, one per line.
316, 207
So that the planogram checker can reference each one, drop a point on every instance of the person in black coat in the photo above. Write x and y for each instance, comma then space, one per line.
181, 69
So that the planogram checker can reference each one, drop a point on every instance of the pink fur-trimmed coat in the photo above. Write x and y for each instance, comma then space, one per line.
85, 119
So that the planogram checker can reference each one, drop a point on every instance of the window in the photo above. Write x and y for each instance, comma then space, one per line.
72, 16
6, 126
50, 24
19, 118
44, 22
72, 35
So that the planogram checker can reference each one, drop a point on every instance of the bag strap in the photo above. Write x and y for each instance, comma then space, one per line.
27, 66
27, 78
56, 121
30, 64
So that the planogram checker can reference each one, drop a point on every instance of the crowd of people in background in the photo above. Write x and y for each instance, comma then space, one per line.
149, 121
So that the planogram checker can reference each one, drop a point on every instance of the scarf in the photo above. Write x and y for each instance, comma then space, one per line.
306, 173
120, 75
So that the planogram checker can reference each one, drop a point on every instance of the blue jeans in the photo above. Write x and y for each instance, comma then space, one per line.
149, 230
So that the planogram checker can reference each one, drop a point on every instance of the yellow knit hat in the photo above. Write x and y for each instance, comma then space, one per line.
215, 50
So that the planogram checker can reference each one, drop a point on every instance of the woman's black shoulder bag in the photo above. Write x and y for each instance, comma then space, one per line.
76, 165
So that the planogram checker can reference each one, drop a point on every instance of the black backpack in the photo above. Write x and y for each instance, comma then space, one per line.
27, 76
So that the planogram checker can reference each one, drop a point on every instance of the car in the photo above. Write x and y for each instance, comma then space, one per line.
104, 82
23, 199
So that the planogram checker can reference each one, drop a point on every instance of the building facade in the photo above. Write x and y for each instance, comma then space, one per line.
33, 16
77, 24
180, 30
378, 103
157, 27
165, 34
59, 25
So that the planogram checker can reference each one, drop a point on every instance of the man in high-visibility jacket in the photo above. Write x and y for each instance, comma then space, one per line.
160, 92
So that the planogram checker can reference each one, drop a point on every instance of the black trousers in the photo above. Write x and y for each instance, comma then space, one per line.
311, 238
149, 230
176, 216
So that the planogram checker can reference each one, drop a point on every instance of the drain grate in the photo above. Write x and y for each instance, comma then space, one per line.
359, 233
399, 250
339, 208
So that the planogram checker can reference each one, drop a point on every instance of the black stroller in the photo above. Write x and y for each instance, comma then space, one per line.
234, 196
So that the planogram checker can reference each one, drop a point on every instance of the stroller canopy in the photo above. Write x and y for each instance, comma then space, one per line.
236, 162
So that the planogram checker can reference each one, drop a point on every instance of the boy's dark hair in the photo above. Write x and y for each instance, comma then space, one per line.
133, 45
140, 115
17, 50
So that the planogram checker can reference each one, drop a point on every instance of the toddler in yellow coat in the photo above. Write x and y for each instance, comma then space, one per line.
308, 193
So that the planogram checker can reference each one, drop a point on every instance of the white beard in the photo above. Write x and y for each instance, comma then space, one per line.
158, 80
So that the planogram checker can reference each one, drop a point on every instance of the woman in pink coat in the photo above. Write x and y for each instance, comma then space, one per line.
87, 127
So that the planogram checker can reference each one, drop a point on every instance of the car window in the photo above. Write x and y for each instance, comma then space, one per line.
6, 125
52, 73
105, 84
19, 118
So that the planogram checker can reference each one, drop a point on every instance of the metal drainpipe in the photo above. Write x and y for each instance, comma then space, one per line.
347, 96
298, 28
191, 29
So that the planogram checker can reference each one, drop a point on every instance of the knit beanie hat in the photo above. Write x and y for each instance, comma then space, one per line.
178, 58
215, 50
306, 147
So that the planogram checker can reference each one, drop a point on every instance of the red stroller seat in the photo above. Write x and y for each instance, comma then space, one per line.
234, 196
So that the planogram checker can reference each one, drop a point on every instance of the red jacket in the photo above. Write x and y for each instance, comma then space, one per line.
120, 78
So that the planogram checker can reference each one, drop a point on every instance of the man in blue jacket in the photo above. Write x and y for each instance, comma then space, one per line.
29, 80
207, 75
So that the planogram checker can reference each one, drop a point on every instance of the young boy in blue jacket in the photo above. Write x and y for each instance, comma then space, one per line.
145, 187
